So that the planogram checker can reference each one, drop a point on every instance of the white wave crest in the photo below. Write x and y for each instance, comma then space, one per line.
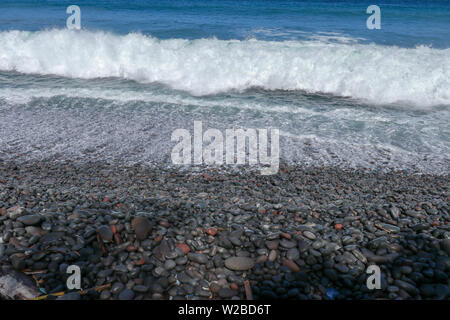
378, 74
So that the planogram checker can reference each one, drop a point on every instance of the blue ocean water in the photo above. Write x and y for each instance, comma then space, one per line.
340, 94
406, 23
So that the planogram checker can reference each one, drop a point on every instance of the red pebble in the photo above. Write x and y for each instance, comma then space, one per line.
234, 286
184, 247
211, 231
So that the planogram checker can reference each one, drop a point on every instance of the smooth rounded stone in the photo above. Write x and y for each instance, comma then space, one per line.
70, 296
261, 259
105, 233
121, 268
33, 231
413, 213
169, 264
140, 288
262, 252
200, 292
17, 261
89, 233
227, 293
309, 235
105, 295
126, 294
38, 256
141, 227
105, 273
33, 239
347, 258
235, 241
214, 287
172, 254
293, 254
108, 261
293, 293
407, 287
272, 255
57, 257
347, 240
6, 237
350, 247
157, 288
445, 245
15, 212
342, 268
30, 220
406, 269
157, 296
273, 235
287, 244
291, 265
318, 244
232, 278
383, 259
117, 287
272, 245
63, 267
159, 271
395, 213
389, 227
359, 256
393, 289
198, 257
181, 260
239, 263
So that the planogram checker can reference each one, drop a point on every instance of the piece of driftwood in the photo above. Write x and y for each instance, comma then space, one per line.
82, 292
248, 290
16, 285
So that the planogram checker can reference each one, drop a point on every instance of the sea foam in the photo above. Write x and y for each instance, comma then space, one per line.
375, 73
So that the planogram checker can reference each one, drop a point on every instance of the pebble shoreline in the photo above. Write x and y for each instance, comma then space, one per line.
163, 233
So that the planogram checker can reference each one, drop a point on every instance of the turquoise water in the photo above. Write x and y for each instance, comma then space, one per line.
340, 94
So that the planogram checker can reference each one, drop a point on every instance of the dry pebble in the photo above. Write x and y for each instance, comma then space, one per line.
164, 233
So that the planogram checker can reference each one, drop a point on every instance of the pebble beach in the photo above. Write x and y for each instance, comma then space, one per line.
140, 232
117, 119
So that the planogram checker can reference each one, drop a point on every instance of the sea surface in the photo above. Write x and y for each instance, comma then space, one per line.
339, 93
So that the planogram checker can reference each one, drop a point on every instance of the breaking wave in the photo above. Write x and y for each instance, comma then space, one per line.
375, 73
